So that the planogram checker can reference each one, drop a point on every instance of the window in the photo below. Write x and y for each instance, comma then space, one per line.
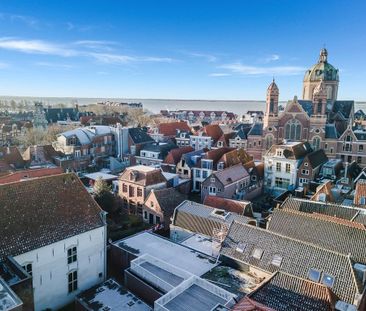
276, 260
139, 192
257, 253
279, 153
325, 146
77, 153
145, 214
204, 174
305, 172
314, 275
359, 159
293, 130
212, 179
306, 164
131, 191
288, 168
73, 281
282, 183
362, 200
124, 188
28, 268
331, 150
157, 219
198, 173
212, 190
360, 148
240, 247
269, 141
278, 167
316, 143
327, 280
71, 255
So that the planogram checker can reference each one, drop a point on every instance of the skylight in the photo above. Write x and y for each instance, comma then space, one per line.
314, 275
277, 260
257, 253
241, 247
328, 280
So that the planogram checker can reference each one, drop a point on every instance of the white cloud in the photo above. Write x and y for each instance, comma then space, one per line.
272, 58
49, 48
219, 74
35, 47
54, 65
208, 57
124, 59
261, 70
15, 18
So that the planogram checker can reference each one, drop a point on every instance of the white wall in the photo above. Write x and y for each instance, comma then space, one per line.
50, 268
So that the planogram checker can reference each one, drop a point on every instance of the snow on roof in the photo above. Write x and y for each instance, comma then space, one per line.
103, 176
113, 297
178, 255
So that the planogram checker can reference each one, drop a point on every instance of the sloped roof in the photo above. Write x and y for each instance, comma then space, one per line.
297, 257
216, 154
12, 157
139, 136
292, 150
330, 209
344, 106
360, 192
175, 155
169, 199
331, 131
162, 148
29, 174
257, 129
239, 207
231, 174
283, 292
214, 131
43, 211
316, 158
344, 237
188, 157
202, 219
235, 157
307, 105
170, 129
145, 176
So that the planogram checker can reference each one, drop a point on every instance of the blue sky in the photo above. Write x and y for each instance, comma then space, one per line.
177, 49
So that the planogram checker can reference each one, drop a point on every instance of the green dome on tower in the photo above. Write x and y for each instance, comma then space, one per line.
322, 70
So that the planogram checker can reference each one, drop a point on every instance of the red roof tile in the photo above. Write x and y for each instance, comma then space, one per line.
29, 174
170, 129
175, 155
227, 204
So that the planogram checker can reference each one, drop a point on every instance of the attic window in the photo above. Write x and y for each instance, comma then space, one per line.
314, 275
277, 260
328, 280
241, 247
257, 253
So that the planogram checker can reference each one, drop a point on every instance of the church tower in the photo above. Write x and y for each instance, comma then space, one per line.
272, 99
321, 71
320, 99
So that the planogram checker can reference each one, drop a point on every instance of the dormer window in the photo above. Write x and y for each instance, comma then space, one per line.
241, 247
277, 260
279, 152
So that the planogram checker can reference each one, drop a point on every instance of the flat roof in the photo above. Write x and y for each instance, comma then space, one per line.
175, 254
142, 168
103, 176
8, 299
194, 298
111, 296
199, 242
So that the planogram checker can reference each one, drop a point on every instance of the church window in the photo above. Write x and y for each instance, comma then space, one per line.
269, 141
271, 106
316, 143
319, 107
293, 130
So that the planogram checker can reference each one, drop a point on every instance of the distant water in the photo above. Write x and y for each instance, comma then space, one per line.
239, 107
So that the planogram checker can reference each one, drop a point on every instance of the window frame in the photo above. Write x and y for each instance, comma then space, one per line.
72, 254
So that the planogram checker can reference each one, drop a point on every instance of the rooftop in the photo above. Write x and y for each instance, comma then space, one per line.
195, 294
172, 253
8, 299
54, 210
110, 296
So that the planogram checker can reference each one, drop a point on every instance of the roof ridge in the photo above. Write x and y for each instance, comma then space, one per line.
289, 238
35, 179
326, 218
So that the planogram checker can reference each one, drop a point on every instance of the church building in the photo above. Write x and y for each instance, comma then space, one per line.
319, 118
